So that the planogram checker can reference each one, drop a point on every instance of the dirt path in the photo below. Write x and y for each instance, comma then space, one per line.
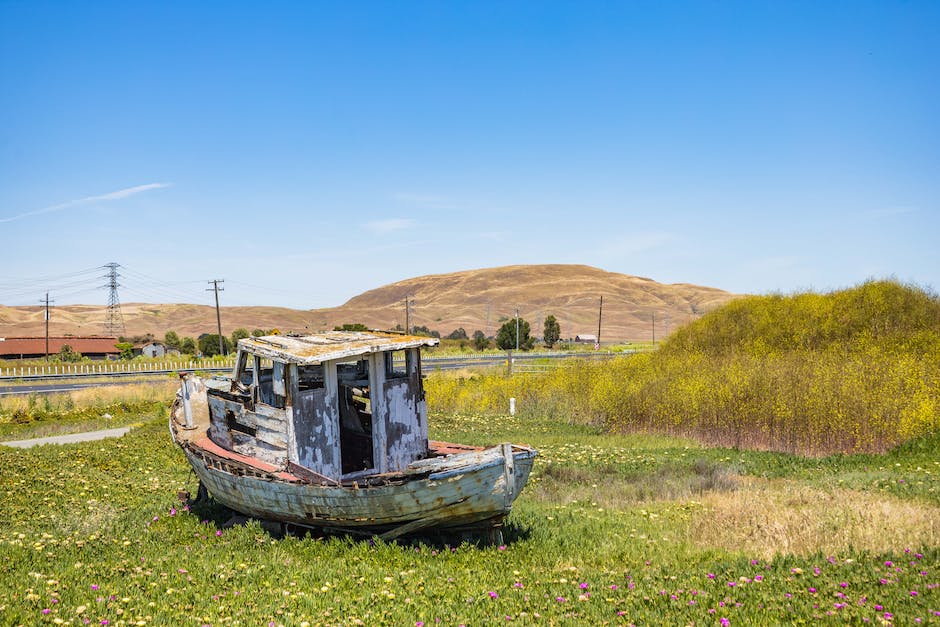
69, 438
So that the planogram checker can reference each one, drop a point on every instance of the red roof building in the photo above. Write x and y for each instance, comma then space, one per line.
32, 347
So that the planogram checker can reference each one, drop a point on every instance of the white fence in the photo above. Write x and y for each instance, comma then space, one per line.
112, 367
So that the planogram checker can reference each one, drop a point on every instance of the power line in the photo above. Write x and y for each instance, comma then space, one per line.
49, 277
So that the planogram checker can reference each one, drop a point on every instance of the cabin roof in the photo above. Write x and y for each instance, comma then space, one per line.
320, 347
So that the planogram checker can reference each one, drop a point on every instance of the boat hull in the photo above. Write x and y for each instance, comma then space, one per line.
471, 489
455, 486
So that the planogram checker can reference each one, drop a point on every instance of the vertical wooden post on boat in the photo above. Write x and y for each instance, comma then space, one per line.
509, 474
379, 407
184, 393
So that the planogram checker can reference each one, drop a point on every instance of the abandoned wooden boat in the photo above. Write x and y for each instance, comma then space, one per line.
330, 431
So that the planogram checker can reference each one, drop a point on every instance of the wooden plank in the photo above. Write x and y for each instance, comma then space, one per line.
277, 439
379, 407
403, 431
260, 421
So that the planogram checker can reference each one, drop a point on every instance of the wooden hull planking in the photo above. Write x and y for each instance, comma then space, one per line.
471, 489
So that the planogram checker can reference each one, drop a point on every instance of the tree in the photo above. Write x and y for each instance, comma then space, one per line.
238, 334
506, 337
126, 348
209, 344
480, 341
188, 346
171, 339
552, 331
67, 354
258, 333
426, 332
351, 327
458, 334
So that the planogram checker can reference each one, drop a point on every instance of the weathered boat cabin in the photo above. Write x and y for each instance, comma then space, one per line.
331, 406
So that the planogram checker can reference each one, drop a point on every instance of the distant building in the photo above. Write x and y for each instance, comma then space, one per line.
152, 349
33, 347
586, 338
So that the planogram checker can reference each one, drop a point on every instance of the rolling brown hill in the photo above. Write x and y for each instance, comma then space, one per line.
472, 300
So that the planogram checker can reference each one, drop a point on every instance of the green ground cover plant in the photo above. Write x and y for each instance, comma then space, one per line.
613, 529
650, 503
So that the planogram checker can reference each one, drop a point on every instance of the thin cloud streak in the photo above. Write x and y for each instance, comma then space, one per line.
116, 195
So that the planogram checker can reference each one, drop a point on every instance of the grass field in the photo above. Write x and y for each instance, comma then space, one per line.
611, 530
39, 415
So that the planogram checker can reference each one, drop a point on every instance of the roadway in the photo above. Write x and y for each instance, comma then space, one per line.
61, 383
69, 438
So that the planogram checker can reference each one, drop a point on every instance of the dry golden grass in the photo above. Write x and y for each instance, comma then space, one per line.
780, 517
162, 391
90, 409
612, 489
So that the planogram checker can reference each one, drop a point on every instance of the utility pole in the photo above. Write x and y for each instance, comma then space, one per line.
218, 316
486, 329
408, 315
114, 322
600, 313
653, 318
517, 328
47, 302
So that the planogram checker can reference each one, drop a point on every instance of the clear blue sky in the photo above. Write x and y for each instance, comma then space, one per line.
308, 151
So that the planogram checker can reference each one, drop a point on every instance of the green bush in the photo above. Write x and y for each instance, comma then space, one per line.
855, 370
